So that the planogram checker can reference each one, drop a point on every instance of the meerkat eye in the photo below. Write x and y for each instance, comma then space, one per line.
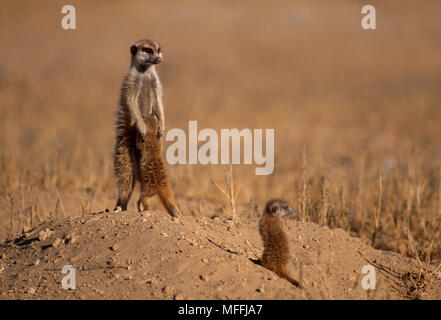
285, 207
159, 50
148, 50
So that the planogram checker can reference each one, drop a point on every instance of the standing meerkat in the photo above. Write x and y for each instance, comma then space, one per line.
141, 97
275, 242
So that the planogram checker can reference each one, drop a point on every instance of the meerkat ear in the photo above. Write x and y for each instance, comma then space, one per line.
133, 50
274, 208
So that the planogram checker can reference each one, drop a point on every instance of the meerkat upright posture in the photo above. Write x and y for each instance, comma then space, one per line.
141, 98
276, 248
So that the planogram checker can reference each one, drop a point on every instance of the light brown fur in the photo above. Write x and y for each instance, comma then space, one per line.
139, 126
276, 247
149, 168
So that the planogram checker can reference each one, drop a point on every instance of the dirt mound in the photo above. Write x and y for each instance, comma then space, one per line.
149, 255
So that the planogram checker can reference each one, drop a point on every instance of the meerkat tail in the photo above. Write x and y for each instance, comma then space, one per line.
288, 277
169, 203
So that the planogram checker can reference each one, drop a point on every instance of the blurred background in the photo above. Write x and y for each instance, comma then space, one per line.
356, 113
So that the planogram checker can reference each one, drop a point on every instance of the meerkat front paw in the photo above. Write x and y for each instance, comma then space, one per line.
142, 129
160, 132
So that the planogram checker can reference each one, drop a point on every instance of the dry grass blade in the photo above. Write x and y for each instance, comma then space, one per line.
229, 191
380, 197
61, 203
305, 186
415, 252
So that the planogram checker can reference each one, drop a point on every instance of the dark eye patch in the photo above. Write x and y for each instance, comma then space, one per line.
285, 207
159, 50
148, 50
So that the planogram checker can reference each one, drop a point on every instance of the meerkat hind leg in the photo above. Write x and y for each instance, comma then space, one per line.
125, 192
142, 203
123, 201
125, 172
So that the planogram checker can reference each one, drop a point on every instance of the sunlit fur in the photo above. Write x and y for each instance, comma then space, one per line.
139, 121
276, 248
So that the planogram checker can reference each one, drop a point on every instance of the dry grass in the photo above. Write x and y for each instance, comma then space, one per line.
356, 114
229, 191
412, 284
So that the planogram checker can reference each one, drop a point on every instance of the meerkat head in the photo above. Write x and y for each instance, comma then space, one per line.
145, 53
278, 207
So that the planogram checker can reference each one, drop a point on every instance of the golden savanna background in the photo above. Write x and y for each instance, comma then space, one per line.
357, 114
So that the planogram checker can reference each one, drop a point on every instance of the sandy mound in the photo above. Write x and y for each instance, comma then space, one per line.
151, 256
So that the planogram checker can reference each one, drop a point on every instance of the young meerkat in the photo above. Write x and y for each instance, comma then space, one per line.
141, 97
275, 242
152, 172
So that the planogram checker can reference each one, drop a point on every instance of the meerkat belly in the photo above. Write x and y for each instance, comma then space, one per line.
146, 99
